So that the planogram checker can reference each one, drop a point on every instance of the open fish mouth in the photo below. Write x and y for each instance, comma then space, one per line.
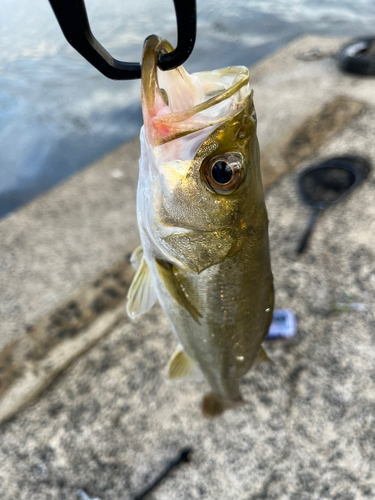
176, 104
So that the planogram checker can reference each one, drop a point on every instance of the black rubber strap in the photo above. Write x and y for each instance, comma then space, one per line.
358, 57
72, 18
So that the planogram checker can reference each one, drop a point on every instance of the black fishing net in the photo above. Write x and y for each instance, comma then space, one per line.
327, 182
326, 185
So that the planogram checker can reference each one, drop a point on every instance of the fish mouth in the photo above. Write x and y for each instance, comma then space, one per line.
178, 230
186, 103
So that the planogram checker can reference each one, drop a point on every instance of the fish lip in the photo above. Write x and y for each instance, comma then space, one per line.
184, 230
164, 124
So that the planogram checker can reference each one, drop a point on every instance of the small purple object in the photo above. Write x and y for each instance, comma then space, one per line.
284, 324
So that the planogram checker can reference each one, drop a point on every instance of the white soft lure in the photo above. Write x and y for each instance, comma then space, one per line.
203, 223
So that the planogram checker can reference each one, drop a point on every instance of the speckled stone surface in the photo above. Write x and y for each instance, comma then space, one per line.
112, 422
63, 239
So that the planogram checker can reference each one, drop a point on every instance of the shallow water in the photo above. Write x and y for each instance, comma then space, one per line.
58, 114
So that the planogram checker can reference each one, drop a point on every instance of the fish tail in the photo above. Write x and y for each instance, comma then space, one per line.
214, 405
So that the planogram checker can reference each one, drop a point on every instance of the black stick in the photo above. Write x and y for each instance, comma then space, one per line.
183, 457
305, 238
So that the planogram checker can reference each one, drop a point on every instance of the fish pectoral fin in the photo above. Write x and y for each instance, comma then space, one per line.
136, 257
141, 295
180, 366
167, 273
263, 357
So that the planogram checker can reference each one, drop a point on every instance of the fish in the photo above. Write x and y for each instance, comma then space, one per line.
203, 223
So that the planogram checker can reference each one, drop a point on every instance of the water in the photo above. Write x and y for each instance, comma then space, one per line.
58, 114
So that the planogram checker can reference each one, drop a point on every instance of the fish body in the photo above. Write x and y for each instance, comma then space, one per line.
203, 223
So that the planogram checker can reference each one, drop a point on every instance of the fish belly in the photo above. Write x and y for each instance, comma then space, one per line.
235, 302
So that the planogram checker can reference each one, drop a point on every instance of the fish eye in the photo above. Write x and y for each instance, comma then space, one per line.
224, 173
221, 172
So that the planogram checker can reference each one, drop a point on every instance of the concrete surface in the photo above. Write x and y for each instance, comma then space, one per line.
30, 363
62, 240
112, 421
287, 89
65, 238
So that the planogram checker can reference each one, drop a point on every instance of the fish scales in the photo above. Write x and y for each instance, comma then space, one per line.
203, 223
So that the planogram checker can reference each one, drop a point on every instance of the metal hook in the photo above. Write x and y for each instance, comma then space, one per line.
72, 18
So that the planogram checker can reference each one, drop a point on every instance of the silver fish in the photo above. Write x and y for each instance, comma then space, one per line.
203, 223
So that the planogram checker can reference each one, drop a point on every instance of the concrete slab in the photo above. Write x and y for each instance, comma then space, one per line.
288, 89
63, 239
112, 422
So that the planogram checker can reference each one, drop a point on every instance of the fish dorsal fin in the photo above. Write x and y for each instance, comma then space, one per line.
263, 357
136, 257
141, 295
167, 273
180, 366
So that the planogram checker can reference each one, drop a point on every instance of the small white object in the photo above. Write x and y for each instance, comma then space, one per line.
83, 496
353, 306
43, 469
284, 324
117, 173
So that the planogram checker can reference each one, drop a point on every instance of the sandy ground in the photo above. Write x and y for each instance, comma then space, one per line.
111, 422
